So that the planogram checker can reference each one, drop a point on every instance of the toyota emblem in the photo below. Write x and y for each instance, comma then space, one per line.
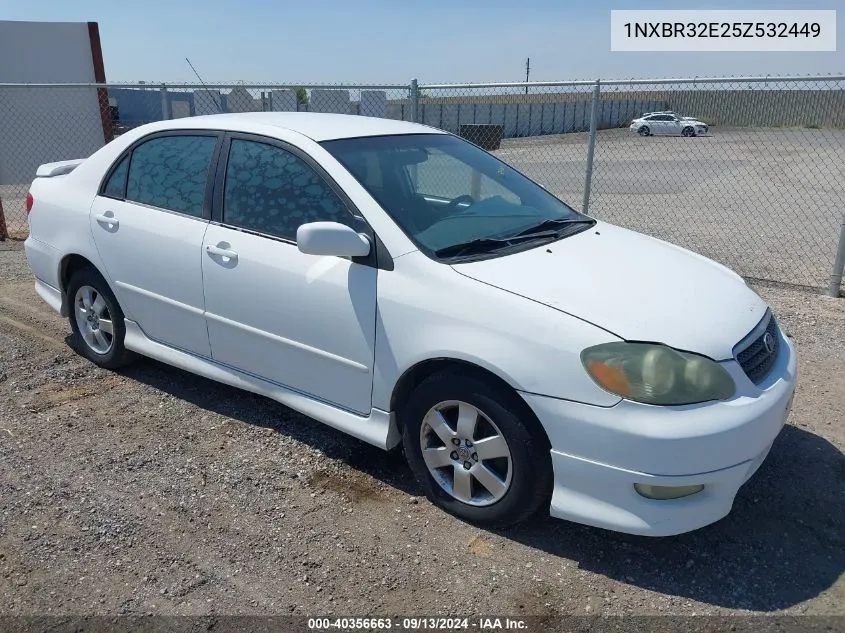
769, 342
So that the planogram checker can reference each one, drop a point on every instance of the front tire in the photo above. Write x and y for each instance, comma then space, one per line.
475, 451
644, 131
688, 131
96, 320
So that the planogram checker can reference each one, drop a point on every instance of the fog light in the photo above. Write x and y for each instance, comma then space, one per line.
667, 492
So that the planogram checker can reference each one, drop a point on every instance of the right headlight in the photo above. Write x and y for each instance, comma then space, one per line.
656, 374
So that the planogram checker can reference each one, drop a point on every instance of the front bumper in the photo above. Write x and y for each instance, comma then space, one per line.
599, 453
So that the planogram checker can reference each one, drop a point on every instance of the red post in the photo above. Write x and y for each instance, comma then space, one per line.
100, 78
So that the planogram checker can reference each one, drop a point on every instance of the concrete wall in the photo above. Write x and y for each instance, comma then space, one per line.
373, 103
207, 102
41, 125
283, 101
240, 100
336, 101
136, 107
552, 113
520, 119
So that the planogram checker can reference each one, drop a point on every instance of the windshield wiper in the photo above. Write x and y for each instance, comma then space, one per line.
547, 225
490, 244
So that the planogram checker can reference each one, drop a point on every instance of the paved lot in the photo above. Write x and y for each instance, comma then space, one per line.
766, 202
155, 491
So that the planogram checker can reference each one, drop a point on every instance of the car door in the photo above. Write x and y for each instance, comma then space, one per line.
657, 124
148, 221
302, 321
673, 125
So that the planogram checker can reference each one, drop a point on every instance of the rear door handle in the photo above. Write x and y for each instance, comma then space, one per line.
108, 218
221, 252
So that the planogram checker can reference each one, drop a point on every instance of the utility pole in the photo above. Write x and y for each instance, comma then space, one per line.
527, 72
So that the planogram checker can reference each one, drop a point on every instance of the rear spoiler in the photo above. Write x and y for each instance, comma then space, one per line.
48, 170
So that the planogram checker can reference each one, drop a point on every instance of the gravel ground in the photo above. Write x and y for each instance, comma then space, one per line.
154, 491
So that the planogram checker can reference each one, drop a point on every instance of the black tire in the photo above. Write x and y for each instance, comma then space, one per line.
117, 355
644, 131
688, 131
531, 477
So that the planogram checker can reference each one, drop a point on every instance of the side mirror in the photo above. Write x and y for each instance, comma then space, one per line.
331, 238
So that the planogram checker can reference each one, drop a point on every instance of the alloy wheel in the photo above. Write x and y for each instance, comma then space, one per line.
93, 319
466, 453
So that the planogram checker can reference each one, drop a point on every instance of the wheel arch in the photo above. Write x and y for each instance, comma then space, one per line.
68, 265
419, 372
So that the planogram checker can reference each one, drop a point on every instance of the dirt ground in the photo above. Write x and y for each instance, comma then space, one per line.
154, 491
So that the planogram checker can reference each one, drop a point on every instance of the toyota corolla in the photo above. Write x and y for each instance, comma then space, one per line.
404, 286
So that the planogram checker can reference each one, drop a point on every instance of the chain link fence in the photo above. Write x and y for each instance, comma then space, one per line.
41, 123
761, 191
759, 187
747, 171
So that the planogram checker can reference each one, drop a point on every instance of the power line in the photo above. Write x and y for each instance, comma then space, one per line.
216, 102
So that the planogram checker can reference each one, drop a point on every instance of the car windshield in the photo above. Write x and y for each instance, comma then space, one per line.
452, 198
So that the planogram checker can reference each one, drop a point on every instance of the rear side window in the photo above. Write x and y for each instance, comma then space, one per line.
116, 185
273, 191
171, 172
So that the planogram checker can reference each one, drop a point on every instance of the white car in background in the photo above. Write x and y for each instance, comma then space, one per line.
404, 286
667, 124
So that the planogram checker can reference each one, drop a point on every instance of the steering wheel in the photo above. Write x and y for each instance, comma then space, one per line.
453, 204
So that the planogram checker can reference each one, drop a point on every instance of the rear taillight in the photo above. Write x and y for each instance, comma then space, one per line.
29, 202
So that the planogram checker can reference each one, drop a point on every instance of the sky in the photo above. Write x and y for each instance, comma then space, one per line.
378, 41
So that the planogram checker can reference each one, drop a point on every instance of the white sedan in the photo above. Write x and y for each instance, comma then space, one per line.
406, 287
667, 124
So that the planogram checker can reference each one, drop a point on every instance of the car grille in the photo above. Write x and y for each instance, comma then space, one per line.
703, 128
759, 350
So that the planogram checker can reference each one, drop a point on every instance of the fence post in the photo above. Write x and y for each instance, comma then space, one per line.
165, 103
415, 101
4, 233
838, 264
591, 145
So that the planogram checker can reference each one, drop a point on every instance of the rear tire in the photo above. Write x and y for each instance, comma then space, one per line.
96, 320
485, 461
644, 131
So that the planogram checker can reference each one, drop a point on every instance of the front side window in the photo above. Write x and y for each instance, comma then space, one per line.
446, 193
171, 172
273, 191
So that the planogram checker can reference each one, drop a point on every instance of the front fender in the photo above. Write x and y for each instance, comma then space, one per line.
532, 347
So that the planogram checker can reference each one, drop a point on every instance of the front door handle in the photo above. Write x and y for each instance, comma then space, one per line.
108, 218
222, 252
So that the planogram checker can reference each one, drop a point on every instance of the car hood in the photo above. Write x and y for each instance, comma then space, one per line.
634, 286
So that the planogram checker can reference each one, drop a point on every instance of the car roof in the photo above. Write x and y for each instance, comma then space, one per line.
316, 126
